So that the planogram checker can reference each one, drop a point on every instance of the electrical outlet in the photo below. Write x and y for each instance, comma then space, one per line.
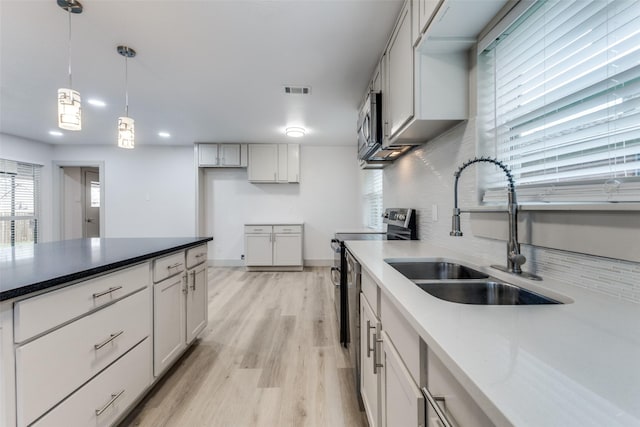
242, 256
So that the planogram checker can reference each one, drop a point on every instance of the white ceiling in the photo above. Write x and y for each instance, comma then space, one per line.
206, 71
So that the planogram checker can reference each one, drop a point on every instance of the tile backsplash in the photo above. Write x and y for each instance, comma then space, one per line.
423, 179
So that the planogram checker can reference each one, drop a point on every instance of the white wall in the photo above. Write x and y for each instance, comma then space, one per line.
149, 191
327, 198
28, 151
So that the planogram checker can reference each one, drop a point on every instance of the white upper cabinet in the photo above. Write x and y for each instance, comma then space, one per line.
269, 163
222, 155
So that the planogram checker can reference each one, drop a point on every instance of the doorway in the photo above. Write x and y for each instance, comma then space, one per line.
81, 201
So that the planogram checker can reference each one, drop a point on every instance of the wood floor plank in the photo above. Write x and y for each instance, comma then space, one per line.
270, 356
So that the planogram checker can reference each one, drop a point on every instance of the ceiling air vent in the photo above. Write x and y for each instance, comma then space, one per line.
297, 90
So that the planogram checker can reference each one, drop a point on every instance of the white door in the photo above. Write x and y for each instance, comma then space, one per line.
196, 301
168, 322
92, 190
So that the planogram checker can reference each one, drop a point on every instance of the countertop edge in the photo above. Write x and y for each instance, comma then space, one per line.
83, 274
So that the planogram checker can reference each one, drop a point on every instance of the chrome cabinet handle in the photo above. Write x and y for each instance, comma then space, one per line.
108, 291
114, 397
108, 340
433, 402
176, 265
376, 365
369, 327
193, 280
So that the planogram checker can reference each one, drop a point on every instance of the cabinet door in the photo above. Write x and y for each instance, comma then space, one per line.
400, 73
263, 162
426, 10
283, 163
208, 154
287, 249
402, 399
197, 302
168, 322
229, 155
293, 162
369, 379
258, 249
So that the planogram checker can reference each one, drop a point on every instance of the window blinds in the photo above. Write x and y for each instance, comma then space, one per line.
19, 202
560, 98
372, 198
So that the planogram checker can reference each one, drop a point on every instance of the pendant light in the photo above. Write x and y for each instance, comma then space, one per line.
69, 108
126, 132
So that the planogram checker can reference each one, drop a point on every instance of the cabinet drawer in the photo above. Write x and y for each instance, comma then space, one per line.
110, 394
51, 367
197, 255
168, 266
405, 339
250, 229
284, 229
38, 314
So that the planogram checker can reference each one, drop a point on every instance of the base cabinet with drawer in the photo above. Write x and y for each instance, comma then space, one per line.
273, 246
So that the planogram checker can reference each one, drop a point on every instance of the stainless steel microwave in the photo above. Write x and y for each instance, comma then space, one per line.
370, 126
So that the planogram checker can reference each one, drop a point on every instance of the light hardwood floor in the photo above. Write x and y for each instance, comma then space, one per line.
270, 356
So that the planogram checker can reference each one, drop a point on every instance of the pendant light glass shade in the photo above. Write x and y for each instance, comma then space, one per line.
69, 102
69, 109
126, 132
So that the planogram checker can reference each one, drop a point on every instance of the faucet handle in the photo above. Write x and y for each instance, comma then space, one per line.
517, 259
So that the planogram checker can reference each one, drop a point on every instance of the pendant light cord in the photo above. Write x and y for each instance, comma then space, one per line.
69, 13
126, 86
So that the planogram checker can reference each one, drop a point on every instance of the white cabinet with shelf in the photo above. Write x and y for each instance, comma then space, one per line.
270, 246
222, 155
274, 163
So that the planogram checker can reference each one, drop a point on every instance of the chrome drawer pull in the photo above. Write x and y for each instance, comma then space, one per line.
439, 412
108, 340
176, 265
114, 397
108, 291
200, 255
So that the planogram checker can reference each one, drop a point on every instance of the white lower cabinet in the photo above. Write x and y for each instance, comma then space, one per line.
369, 369
197, 302
169, 314
269, 245
402, 401
102, 401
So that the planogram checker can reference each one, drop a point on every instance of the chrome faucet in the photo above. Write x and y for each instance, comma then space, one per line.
514, 258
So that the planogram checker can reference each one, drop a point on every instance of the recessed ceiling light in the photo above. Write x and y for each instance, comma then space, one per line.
294, 132
164, 134
97, 102
55, 133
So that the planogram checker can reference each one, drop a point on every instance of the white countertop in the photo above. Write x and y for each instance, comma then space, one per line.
575, 364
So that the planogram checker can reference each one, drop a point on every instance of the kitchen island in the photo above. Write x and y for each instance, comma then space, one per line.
88, 326
570, 364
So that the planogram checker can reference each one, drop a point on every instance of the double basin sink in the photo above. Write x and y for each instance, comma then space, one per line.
460, 284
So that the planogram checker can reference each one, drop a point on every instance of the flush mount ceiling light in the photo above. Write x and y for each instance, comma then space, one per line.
126, 131
164, 134
69, 108
294, 132
97, 102
55, 133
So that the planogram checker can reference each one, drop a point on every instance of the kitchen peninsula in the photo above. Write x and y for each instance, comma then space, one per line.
88, 326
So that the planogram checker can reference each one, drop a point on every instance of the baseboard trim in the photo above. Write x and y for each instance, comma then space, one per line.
240, 263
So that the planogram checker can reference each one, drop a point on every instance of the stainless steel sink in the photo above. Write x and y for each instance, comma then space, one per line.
435, 270
486, 292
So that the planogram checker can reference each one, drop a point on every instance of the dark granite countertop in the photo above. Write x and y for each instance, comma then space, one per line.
31, 268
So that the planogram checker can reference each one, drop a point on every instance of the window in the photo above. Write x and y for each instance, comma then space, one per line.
559, 94
373, 198
19, 202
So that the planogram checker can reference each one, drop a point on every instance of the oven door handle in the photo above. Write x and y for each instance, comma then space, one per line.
335, 245
335, 275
